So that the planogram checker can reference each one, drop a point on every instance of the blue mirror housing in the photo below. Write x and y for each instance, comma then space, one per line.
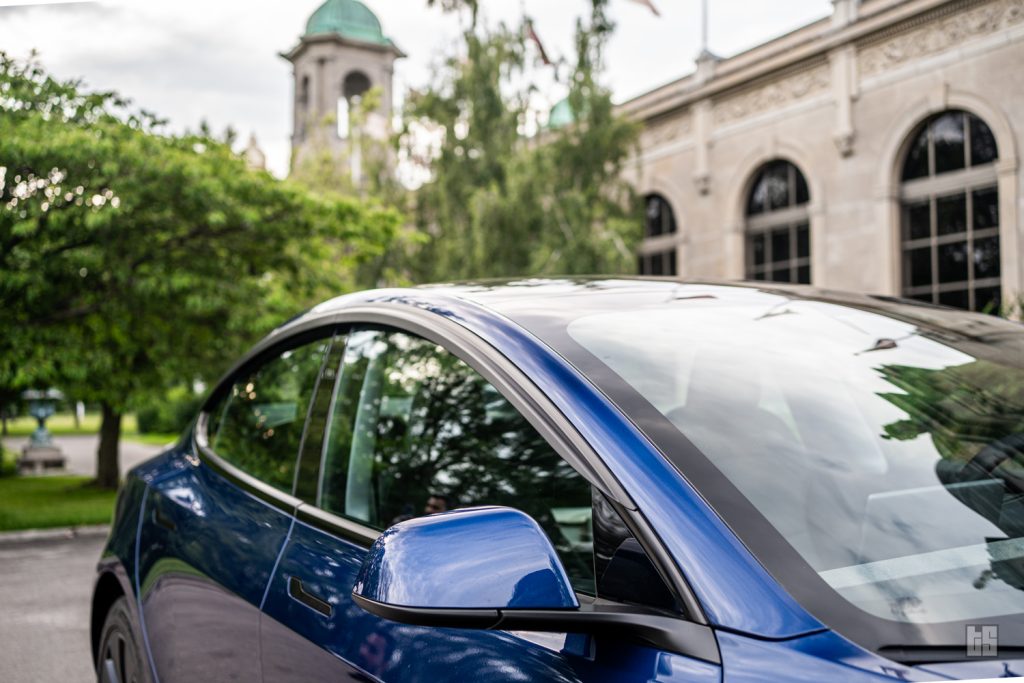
486, 558
494, 568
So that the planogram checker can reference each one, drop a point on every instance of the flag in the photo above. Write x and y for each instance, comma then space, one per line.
649, 5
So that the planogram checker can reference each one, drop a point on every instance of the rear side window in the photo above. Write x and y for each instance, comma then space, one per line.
257, 426
414, 430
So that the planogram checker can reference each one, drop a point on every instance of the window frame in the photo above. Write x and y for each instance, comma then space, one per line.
514, 385
256, 359
932, 188
791, 217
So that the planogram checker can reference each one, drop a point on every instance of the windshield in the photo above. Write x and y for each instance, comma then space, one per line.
889, 457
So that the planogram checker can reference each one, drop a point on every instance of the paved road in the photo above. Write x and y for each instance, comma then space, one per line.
81, 452
44, 609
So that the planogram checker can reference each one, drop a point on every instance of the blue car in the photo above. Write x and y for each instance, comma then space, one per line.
586, 480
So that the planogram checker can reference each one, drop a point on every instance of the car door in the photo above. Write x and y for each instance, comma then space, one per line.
212, 530
412, 429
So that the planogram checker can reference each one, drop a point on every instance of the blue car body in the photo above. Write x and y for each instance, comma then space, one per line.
205, 555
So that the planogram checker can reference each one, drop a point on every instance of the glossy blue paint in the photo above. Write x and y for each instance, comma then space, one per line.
818, 657
203, 580
476, 558
301, 644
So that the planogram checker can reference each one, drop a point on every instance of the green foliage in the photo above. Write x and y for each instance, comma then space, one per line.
499, 204
170, 413
47, 502
131, 259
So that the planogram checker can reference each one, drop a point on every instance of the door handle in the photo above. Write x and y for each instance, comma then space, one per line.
162, 519
297, 592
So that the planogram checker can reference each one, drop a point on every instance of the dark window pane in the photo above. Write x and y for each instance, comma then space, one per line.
918, 267
652, 217
656, 265
802, 195
916, 165
918, 221
760, 275
986, 257
259, 427
782, 275
758, 197
951, 214
927, 298
803, 241
757, 246
983, 143
780, 245
986, 208
670, 262
957, 299
803, 275
415, 430
988, 300
953, 262
948, 136
640, 265
777, 185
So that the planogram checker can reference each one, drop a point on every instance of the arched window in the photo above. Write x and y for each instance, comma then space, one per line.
658, 216
950, 213
778, 225
302, 100
353, 88
658, 220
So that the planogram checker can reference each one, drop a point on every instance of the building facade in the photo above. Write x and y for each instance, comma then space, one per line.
342, 55
874, 151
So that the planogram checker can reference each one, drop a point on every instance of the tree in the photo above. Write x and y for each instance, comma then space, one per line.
131, 258
501, 204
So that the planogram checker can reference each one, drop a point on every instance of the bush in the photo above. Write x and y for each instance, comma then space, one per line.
169, 414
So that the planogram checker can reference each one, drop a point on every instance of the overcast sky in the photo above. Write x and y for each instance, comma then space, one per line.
189, 60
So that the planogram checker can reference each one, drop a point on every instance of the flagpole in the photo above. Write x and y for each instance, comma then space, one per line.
703, 26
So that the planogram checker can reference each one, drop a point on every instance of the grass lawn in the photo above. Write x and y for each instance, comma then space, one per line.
52, 501
63, 424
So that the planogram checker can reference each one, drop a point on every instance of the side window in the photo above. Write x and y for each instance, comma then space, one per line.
415, 431
258, 425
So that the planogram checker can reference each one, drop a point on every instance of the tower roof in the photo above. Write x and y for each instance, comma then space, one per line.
347, 18
561, 114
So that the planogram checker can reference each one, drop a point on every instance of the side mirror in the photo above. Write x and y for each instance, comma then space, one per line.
494, 568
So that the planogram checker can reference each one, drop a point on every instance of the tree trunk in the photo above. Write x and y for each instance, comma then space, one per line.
107, 466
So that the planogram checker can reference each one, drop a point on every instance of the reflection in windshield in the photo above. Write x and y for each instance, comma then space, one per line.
891, 460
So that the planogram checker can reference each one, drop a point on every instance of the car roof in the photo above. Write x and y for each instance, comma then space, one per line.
543, 303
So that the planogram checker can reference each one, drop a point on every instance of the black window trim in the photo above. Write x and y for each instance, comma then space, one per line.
505, 376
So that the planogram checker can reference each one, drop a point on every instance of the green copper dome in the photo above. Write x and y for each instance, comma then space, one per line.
347, 18
561, 114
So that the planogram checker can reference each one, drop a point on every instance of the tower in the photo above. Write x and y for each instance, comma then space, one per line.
342, 54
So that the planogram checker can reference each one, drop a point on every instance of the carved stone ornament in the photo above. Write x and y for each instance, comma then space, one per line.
773, 95
939, 35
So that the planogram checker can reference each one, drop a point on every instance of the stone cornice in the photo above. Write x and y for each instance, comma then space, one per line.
794, 53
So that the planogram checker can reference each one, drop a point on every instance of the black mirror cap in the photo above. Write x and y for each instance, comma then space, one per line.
624, 622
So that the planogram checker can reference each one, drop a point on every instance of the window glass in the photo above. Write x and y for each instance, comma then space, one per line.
948, 137
951, 234
895, 472
658, 217
258, 425
416, 431
983, 143
778, 249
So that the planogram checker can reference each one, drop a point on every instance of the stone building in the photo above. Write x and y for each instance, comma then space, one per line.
342, 54
874, 150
